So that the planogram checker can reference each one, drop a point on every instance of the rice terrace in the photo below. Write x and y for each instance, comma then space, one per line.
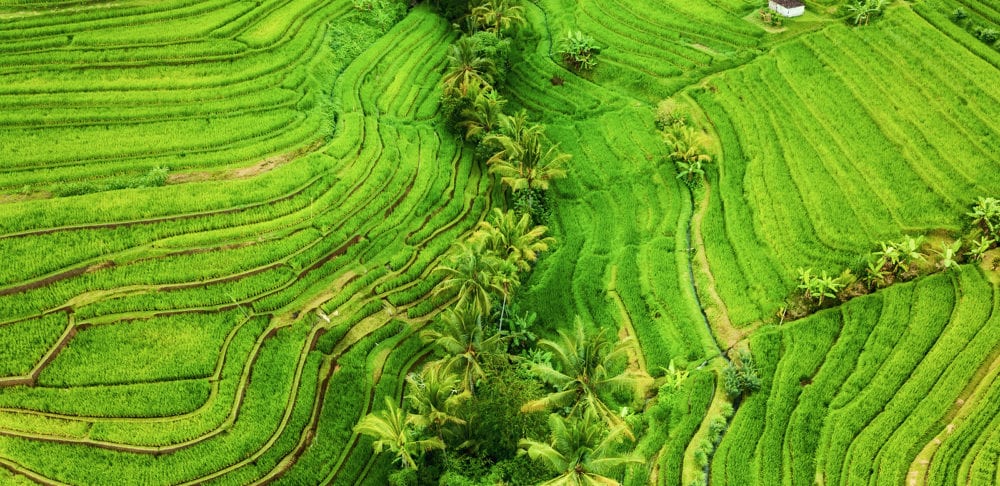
500, 242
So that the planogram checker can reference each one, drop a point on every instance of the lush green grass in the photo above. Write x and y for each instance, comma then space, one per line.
826, 152
855, 393
190, 304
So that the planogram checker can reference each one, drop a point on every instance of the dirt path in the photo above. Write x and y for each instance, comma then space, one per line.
261, 167
636, 359
725, 333
986, 376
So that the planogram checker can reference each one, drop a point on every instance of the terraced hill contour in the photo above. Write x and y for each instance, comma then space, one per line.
232, 325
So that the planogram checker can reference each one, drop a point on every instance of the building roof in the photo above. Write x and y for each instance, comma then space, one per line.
788, 3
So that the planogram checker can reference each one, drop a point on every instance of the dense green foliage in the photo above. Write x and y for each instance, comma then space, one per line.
499, 241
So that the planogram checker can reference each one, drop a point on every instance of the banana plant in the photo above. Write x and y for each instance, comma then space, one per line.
978, 248
949, 254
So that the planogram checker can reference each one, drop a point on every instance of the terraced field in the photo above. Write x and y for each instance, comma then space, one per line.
891, 388
848, 152
192, 332
221, 222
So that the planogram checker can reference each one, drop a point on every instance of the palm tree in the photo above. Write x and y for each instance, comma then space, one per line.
513, 238
483, 117
392, 429
686, 150
467, 69
435, 394
519, 128
582, 376
498, 16
581, 450
462, 340
475, 274
514, 131
527, 165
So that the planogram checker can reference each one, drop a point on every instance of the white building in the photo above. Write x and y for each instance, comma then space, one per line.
787, 8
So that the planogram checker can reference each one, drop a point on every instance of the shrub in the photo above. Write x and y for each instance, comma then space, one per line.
741, 377
669, 114
403, 477
381, 14
771, 18
579, 51
861, 12
986, 34
497, 50
533, 202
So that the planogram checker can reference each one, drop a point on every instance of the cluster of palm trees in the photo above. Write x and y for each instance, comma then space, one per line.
470, 73
582, 369
685, 144
517, 149
586, 443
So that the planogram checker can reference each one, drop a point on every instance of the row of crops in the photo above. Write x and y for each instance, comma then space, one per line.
228, 331
232, 326
974, 24
837, 140
98, 97
829, 143
891, 388
651, 49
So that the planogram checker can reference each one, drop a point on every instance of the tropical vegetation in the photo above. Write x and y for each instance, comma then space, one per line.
480, 242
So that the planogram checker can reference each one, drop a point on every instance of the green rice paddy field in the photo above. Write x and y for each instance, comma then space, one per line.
220, 221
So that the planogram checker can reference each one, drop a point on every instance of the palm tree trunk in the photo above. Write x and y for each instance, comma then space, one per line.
502, 309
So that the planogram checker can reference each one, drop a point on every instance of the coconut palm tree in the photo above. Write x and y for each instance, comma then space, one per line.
483, 117
514, 132
467, 69
519, 128
498, 16
513, 238
581, 450
476, 275
461, 338
581, 374
392, 430
528, 165
685, 148
435, 394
